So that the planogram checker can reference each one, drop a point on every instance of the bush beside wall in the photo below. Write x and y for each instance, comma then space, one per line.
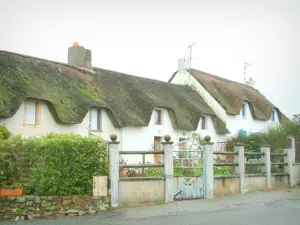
54, 164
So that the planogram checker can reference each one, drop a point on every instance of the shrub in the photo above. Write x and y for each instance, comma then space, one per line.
11, 157
4, 133
274, 136
64, 164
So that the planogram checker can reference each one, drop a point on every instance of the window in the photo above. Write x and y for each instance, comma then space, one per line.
203, 122
31, 112
243, 111
157, 117
95, 119
273, 115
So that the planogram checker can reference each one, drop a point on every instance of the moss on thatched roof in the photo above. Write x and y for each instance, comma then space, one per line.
230, 95
70, 92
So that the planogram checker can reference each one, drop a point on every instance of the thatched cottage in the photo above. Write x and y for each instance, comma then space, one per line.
241, 107
39, 96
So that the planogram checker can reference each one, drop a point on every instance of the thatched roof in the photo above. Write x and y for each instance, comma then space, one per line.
230, 95
70, 92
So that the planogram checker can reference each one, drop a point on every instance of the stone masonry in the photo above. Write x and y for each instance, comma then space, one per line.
45, 207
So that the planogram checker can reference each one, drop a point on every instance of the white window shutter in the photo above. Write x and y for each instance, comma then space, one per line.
30, 112
94, 119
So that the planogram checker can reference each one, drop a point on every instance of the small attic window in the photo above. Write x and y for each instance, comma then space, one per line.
32, 115
273, 115
157, 117
243, 110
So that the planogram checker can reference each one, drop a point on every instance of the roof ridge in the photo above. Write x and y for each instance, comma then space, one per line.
78, 68
139, 77
38, 58
226, 79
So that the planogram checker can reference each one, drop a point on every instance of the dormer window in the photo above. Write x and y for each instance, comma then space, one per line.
157, 117
202, 122
243, 110
32, 113
273, 115
95, 119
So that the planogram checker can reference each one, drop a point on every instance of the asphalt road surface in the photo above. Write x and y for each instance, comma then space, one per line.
275, 208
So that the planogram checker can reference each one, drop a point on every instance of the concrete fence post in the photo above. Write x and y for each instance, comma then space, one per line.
168, 168
290, 159
113, 158
266, 158
240, 169
208, 168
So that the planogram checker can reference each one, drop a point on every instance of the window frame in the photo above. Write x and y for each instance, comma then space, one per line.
159, 122
273, 116
99, 120
203, 122
244, 110
37, 115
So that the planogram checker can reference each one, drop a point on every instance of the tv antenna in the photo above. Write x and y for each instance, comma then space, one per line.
190, 59
245, 66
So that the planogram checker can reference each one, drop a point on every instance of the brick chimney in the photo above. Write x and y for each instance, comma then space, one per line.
79, 56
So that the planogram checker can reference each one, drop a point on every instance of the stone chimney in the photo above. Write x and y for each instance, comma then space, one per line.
79, 56
183, 64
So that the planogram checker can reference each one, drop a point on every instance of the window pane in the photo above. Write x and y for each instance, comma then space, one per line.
98, 119
157, 116
94, 119
203, 122
273, 115
30, 112
244, 110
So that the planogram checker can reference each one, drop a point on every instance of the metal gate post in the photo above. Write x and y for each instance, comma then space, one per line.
168, 168
113, 157
208, 167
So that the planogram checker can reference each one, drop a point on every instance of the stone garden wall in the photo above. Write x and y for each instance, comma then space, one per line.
45, 207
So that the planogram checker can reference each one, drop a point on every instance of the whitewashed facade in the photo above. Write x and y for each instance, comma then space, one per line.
33, 118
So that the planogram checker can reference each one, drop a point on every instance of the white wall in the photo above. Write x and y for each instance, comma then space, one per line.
210, 130
237, 122
141, 138
47, 124
183, 77
131, 138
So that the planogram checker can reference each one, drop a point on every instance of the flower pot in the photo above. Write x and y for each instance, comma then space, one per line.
11, 192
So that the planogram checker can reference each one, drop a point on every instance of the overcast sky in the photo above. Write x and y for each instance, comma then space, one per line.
146, 38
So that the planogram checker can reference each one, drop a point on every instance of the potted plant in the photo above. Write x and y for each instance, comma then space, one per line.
11, 190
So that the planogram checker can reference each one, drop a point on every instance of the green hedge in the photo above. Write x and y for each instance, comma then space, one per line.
54, 164
64, 164
11, 156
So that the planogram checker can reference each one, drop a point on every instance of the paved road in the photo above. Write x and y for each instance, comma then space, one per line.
276, 208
